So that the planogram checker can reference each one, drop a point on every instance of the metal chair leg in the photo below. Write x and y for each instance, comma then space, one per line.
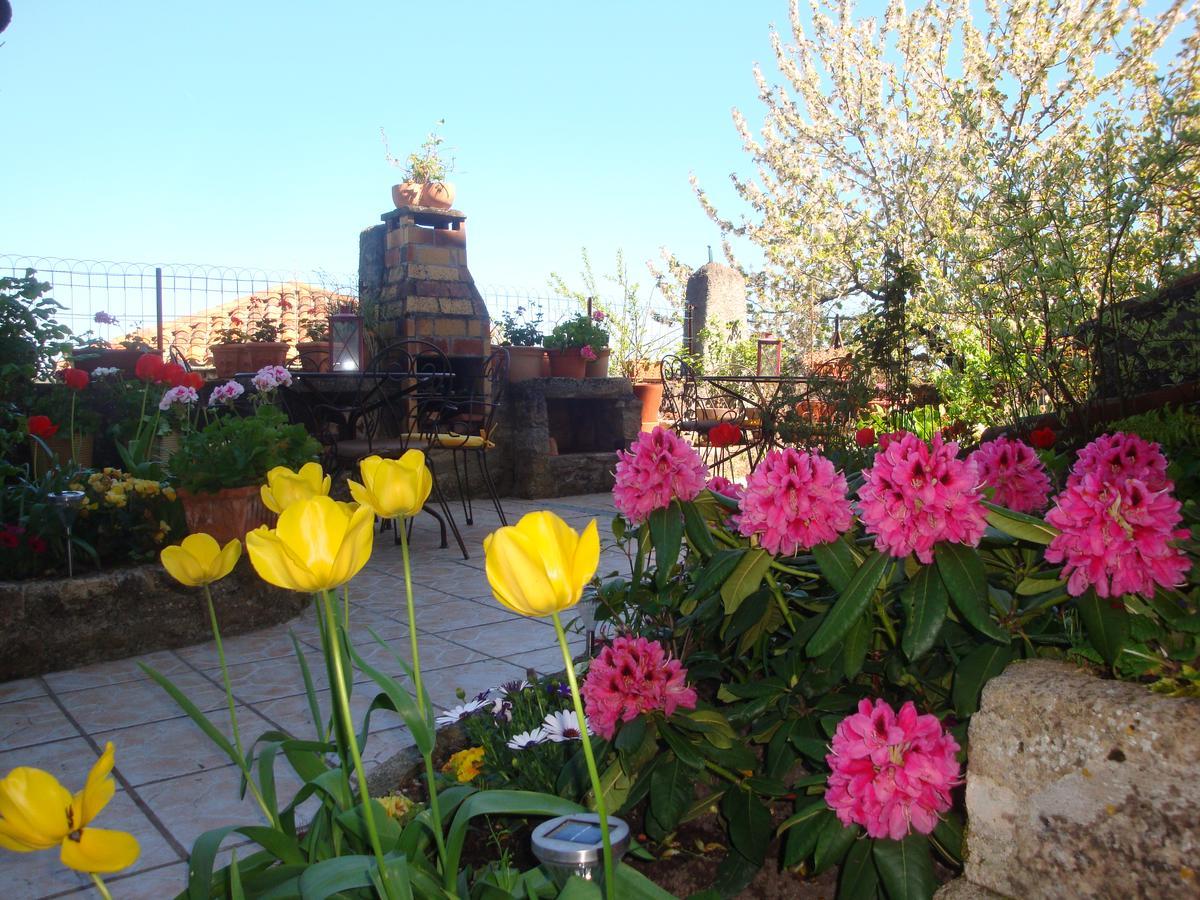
441, 499
481, 458
462, 482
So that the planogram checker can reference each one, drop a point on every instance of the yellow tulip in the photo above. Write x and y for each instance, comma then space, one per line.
540, 565
200, 560
38, 813
393, 487
318, 545
285, 487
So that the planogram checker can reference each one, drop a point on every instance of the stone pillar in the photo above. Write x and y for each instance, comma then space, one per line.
715, 298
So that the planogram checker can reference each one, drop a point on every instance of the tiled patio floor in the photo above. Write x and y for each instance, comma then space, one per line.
173, 784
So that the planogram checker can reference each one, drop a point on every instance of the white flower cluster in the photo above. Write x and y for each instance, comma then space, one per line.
268, 378
225, 393
556, 727
105, 371
496, 699
178, 395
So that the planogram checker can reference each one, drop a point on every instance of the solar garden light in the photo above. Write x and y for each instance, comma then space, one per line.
66, 505
571, 845
346, 342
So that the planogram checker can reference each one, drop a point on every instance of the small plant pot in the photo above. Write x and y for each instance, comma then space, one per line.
227, 514
314, 355
264, 353
407, 193
567, 363
650, 393
437, 195
525, 363
598, 367
227, 359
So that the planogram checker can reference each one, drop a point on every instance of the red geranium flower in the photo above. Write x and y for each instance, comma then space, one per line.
1043, 438
148, 367
37, 545
76, 379
41, 426
9, 537
724, 434
865, 437
194, 380
172, 374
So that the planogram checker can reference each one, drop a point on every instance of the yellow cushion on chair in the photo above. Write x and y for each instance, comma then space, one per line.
454, 441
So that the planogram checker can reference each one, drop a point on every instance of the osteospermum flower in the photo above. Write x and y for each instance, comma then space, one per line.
1120, 456
658, 467
1013, 470
563, 726
526, 739
794, 500
891, 772
632, 676
1116, 535
918, 494
457, 713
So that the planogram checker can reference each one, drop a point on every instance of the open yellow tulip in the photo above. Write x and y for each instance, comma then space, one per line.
319, 545
200, 560
38, 813
540, 565
393, 487
285, 487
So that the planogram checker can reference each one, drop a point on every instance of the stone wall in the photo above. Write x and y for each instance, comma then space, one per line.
1082, 787
51, 624
715, 299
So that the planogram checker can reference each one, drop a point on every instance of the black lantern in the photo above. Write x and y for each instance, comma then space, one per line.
346, 342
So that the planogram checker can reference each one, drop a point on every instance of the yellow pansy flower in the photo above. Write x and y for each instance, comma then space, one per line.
319, 545
285, 486
38, 813
393, 487
540, 565
465, 764
199, 559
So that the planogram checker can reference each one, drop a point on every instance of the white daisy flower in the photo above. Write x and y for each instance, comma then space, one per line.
562, 726
450, 716
527, 739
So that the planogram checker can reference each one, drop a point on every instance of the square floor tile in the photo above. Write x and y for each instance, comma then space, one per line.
138, 702
25, 723
459, 613
116, 671
21, 689
267, 643
504, 639
471, 678
69, 760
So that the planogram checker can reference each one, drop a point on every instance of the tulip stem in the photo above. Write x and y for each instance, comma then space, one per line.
342, 701
237, 737
430, 778
101, 886
586, 740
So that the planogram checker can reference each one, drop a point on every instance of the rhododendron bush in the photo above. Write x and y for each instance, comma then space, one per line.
844, 624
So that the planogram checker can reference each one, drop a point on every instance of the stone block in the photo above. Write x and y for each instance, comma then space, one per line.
716, 298
456, 307
961, 889
432, 256
1081, 787
446, 238
392, 257
450, 327
464, 346
457, 257
433, 273
421, 305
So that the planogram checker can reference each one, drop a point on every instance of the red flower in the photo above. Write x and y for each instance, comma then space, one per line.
865, 437
1043, 438
9, 537
172, 374
148, 367
194, 380
76, 379
37, 545
724, 434
41, 426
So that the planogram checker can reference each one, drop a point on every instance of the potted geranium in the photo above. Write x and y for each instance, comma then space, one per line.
247, 345
313, 352
573, 343
424, 175
522, 335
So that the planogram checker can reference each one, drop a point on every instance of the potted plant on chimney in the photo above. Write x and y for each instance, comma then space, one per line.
424, 174
522, 335
572, 344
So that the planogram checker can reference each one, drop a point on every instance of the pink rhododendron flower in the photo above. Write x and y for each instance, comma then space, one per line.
793, 501
918, 494
632, 676
177, 395
658, 466
891, 772
1115, 535
1013, 469
1120, 456
719, 484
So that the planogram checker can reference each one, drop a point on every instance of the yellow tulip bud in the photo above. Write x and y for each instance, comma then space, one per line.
540, 565
393, 487
285, 487
319, 545
200, 560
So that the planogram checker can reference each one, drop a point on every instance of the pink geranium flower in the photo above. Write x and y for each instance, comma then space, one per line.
632, 676
176, 395
658, 467
891, 772
1013, 470
793, 501
918, 494
1116, 457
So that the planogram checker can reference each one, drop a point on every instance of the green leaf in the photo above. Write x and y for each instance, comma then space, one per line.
948, 836
214, 734
310, 691
974, 671
332, 876
672, 790
1019, 525
630, 884
836, 562
502, 803
714, 573
833, 843
420, 726
858, 879
749, 823
745, 579
925, 602
1106, 622
858, 641
666, 533
905, 867
963, 574
697, 530
1031, 587
850, 606
683, 748
802, 831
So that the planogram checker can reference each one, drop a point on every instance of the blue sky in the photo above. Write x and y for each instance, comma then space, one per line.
247, 134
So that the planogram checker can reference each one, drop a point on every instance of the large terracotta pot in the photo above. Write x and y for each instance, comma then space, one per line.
118, 358
437, 194
227, 359
81, 449
407, 193
227, 514
230, 359
598, 367
525, 363
650, 393
314, 355
568, 363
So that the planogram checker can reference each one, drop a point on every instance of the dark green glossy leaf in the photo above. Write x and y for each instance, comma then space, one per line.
850, 606
666, 533
925, 602
858, 879
1019, 525
962, 572
858, 642
905, 868
833, 843
974, 671
672, 790
749, 823
836, 562
802, 830
1107, 624
697, 530
745, 579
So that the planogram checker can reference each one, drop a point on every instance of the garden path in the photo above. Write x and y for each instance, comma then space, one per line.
173, 785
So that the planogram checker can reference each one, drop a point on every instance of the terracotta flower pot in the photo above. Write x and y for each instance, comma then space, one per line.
407, 193
567, 363
227, 514
227, 359
314, 355
118, 358
437, 194
263, 353
525, 363
598, 367
650, 393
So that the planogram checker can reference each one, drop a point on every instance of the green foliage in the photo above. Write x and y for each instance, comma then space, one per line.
235, 451
30, 338
580, 330
523, 329
426, 165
